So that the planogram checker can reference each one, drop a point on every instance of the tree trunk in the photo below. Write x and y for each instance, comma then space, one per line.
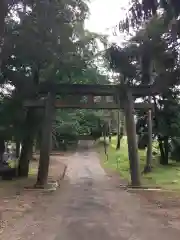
109, 130
26, 156
161, 148
148, 166
3, 13
121, 125
17, 149
166, 151
27, 144
45, 143
118, 132
132, 140
1, 158
2, 150
118, 146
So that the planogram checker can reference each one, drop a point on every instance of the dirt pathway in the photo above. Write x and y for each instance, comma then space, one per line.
88, 206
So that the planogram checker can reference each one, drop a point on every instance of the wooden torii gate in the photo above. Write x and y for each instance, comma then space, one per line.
120, 94
90, 103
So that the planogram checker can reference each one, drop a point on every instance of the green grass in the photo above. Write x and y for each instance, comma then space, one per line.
167, 177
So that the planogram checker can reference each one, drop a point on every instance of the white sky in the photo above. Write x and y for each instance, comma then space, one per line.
106, 14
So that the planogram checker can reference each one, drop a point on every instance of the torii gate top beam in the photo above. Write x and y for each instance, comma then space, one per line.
96, 89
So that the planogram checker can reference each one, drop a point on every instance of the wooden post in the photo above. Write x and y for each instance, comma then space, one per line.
132, 141
45, 143
90, 99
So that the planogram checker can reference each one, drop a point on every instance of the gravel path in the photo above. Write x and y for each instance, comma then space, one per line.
88, 206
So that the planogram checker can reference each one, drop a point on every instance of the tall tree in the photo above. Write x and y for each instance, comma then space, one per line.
46, 46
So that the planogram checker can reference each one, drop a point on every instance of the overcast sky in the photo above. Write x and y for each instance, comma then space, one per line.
105, 14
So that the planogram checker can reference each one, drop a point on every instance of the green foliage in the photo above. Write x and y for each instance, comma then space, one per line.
154, 57
45, 45
77, 122
12, 117
141, 11
121, 60
169, 116
166, 123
